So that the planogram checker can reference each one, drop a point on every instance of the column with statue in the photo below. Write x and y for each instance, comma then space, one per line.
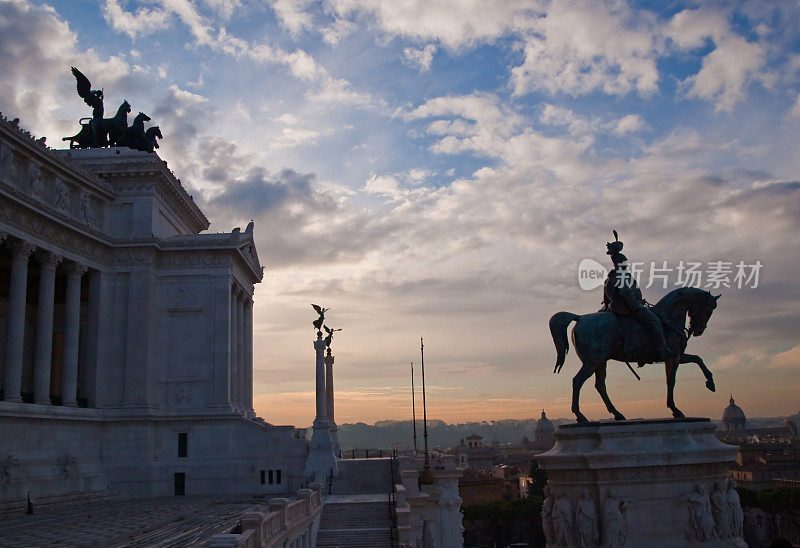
321, 463
329, 358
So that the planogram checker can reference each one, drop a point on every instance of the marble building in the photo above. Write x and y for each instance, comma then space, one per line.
125, 335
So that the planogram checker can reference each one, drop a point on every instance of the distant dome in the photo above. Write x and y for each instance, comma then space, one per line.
543, 433
544, 425
733, 418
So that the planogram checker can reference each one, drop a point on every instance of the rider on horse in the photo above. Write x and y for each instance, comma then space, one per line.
622, 297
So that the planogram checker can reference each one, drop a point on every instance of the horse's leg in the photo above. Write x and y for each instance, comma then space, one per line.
671, 367
577, 381
600, 385
693, 358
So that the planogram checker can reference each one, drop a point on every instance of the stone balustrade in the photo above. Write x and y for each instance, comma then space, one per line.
287, 523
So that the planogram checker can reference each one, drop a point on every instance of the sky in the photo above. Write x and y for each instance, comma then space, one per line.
440, 168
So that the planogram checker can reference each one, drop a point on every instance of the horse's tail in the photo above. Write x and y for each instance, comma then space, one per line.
558, 329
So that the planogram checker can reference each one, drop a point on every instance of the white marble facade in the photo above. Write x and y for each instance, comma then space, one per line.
125, 334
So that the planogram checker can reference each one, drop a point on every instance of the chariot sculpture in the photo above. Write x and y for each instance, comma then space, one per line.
97, 132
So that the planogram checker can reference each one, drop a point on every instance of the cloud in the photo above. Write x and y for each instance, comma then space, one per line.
614, 53
420, 57
629, 123
143, 22
292, 14
790, 358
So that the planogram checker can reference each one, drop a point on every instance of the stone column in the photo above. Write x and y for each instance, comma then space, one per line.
248, 354
233, 360
12, 380
321, 462
72, 316
44, 328
329, 359
240, 381
322, 408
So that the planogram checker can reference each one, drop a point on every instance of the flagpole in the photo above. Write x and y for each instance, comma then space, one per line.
413, 408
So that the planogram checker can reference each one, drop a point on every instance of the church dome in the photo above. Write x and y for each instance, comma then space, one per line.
544, 425
733, 418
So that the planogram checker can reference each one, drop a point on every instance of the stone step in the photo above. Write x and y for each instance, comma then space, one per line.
363, 476
354, 538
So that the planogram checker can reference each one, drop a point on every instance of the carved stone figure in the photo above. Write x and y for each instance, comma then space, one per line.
700, 514
721, 510
547, 517
736, 513
601, 336
37, 185
65, 462
88, 212
7, 164
562, 521
8, 465
614, 521
586, 516
62, 195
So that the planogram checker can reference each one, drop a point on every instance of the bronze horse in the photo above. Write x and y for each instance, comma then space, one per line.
600, 337
100, 133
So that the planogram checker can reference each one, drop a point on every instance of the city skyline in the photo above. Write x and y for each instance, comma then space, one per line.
441, 169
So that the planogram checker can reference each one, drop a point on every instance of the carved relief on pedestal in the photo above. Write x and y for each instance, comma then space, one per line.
562, 521
547, 517
586, 521
615, 520
737, 515
700, 516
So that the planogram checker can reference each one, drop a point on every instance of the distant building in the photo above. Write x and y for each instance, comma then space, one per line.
477, 486
733, 419
543, 434
472, 454
768, 457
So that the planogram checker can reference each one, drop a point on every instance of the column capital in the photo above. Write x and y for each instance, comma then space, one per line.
76, 269
21, 247
47, 259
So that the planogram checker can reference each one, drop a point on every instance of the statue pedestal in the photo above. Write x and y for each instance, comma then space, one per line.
655, 483
321, 462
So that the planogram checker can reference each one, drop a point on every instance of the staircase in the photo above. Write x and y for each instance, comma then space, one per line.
363, 477
358, 514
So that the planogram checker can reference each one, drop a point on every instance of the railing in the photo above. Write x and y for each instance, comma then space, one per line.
365, 453
286, 521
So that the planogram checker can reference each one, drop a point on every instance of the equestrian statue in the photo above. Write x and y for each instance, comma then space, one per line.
629, 329
97, 132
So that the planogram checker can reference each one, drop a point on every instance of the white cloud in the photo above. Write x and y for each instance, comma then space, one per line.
293, 14
453, 23
581, 46
725, 71
143, 22
383, 185
421, 57
788, 359
629, 123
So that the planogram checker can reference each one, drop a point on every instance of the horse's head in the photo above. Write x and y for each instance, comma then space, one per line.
154, 131
125, 106
700, 309
142, 117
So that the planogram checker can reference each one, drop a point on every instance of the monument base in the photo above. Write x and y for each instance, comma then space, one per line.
655, 483
321, 462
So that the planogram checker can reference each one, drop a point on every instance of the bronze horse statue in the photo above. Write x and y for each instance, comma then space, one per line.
100, 133
601, 336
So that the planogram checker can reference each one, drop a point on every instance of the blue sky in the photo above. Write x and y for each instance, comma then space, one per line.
439, 168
